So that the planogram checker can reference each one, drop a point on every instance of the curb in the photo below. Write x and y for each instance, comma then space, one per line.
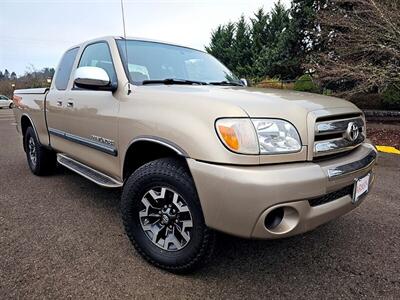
382, 115
388, 149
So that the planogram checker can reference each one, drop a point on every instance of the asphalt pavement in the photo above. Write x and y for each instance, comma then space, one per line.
61, 236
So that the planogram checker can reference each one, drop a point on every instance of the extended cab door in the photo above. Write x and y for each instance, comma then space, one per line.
57, 121
92, 126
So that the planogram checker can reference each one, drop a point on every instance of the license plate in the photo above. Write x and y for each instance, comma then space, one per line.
361, 187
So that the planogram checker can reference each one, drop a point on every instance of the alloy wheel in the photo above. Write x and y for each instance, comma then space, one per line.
32, 151
166, 219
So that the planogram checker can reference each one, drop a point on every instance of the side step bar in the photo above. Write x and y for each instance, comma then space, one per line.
87, 172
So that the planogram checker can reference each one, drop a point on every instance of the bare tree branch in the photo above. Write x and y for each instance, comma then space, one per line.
362, 48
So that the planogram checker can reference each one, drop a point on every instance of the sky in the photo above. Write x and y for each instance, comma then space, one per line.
37, 32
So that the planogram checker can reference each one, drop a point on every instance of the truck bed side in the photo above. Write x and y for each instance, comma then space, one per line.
30, 105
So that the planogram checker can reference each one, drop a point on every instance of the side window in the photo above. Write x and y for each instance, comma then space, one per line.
65, 68
98, 55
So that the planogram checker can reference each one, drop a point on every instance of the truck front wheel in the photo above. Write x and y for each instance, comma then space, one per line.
41, 161
163, 217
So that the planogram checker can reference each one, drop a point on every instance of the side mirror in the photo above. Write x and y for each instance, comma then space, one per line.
244, 81
92, 78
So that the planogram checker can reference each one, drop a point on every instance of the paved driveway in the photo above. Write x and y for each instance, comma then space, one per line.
61, 236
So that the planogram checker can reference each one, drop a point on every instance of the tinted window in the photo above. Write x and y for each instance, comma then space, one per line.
65, 68
98, 55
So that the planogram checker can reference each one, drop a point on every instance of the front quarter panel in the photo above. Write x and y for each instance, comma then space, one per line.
152, 112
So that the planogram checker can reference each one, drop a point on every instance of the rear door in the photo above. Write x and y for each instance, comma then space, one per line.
92, 115
56, 106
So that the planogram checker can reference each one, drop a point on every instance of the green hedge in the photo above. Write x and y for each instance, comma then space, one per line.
305, 84
391, 95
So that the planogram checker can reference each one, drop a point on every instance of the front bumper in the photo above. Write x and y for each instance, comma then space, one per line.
236, 199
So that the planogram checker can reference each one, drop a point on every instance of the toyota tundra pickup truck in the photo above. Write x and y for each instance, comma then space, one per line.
194, 150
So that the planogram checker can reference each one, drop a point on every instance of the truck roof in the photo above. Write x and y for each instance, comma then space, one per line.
110, 37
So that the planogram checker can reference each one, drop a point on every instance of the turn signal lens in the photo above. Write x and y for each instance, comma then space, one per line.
238, 135
229, 136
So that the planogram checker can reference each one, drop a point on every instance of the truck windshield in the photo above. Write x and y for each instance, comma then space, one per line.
158, 63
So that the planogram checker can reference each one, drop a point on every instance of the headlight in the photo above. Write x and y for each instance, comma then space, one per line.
258, 136
238, 135
276, 136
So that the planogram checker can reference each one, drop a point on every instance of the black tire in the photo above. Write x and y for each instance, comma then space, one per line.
172, 175
45, 160
11, 106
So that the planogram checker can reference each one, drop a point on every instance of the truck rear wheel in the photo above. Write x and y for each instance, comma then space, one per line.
163, 217
41, 161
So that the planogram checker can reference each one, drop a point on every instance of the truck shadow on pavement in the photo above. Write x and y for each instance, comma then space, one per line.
354, 252
297, 255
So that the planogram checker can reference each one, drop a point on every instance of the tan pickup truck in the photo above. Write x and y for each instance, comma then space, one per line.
195, 150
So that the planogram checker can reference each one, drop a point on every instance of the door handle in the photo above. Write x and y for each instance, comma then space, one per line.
70, 104
59, 103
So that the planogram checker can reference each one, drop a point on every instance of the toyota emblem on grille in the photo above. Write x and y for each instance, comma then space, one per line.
352, 131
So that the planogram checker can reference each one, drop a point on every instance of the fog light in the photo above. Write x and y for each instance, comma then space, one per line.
274, 218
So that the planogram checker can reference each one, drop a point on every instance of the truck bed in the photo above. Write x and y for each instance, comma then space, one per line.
30, 106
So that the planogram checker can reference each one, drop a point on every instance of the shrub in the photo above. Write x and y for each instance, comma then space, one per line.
391, 96
305, 84
275, 83
327, 92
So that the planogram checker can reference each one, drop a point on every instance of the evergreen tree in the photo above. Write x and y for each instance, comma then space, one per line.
259, 31
305, 26
275, 44
13, 76
243, 58
221, 45
6, 74
279, 23
275, 59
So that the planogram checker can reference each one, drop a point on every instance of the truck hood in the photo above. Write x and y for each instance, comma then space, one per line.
272, 102
255, 102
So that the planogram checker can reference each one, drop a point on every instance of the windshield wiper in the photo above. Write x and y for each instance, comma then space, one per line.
226, 83
173, 81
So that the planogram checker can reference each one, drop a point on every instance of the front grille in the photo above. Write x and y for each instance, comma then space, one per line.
348, 190
336, 134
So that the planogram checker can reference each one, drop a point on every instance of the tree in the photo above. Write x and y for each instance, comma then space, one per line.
362, 51
243, 55
279, 22
305, 25
33, 78
221, 45
259, 31
6, 74
279, 41
276, 59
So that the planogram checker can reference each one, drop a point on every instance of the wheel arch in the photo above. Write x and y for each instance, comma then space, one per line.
27, 122
144, 149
